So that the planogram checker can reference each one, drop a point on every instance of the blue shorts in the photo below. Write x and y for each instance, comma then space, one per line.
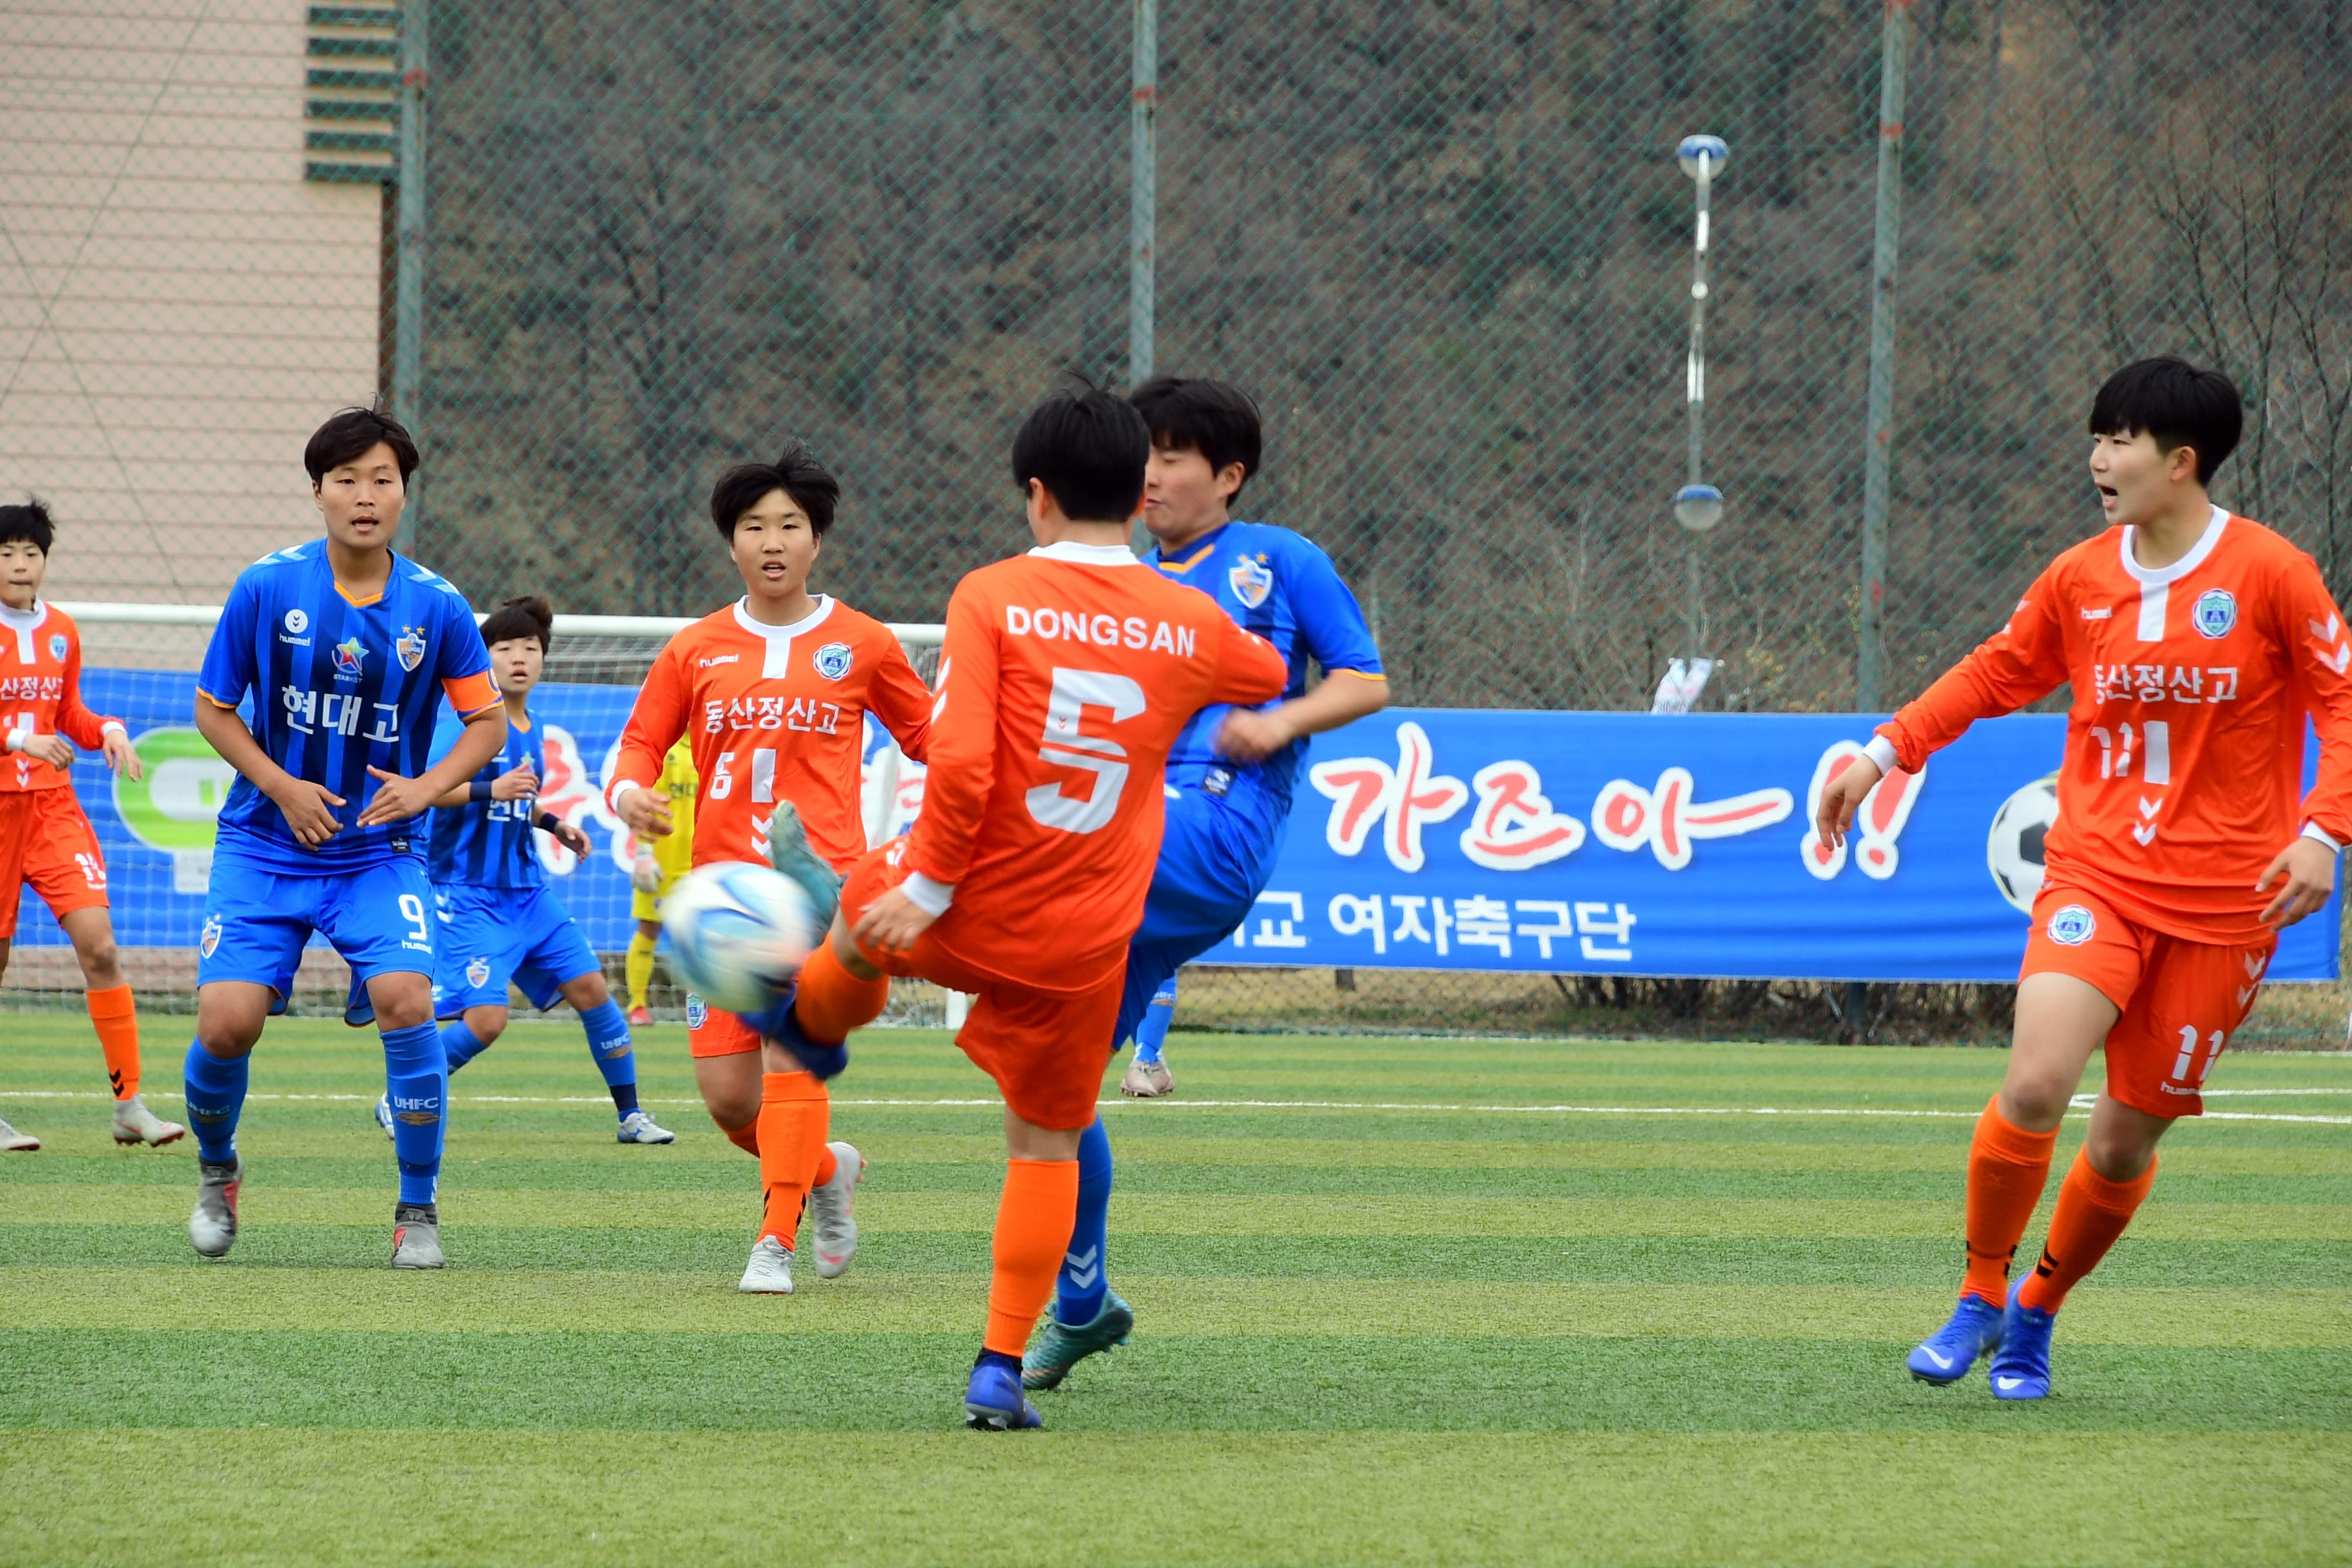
257, 920
1213, 862
491, 935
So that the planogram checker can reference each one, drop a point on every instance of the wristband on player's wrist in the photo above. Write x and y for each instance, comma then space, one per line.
546, 822
479, 791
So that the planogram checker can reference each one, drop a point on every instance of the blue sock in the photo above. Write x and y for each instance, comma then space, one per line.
608, 1042
460, 1044
1079, 1288
216, 1099
418, 1074
1152, 1033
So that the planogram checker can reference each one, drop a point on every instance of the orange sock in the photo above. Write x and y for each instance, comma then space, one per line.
826, 1165
746, 1137
795, 1111
832, 1001
1033, 1219
2092, 1212
115, 1016
2007, 1168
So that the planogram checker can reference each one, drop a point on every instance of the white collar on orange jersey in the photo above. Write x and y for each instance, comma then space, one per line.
1088, 554
2155, 582
25, 623
779, 639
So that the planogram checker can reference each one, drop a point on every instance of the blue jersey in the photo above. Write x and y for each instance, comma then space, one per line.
337, 688
1277, 585
487, 844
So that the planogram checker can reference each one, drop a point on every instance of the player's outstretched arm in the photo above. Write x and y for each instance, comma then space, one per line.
1251, 735
656, 720
1843, 798
308, 808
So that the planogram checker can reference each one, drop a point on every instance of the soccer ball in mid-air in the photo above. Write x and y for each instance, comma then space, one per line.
739, 933
2013, 847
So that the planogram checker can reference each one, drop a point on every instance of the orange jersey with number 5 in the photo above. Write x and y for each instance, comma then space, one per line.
775, 714
1067, 675
2183, 774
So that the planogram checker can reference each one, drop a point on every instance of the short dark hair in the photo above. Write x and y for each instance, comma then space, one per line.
526, 616
1089, 449
350, 433
1214, 418
30, 523
2178, 404
797, 473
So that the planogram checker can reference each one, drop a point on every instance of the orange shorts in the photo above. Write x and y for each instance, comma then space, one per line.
714, 1032
2180, 1000
1045, 1050
46, 841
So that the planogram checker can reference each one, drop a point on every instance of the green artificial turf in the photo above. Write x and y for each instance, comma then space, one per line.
1398, 1301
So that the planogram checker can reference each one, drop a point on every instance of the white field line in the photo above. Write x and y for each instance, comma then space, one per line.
1435, 1107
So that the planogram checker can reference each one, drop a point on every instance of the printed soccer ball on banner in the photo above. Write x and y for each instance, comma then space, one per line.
2013, 848
739, 933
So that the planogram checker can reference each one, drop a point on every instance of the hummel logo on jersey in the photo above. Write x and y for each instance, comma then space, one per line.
717, 658
348, 655
2104, 612
298, 621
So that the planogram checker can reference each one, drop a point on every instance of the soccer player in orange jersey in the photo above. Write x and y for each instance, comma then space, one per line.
772, 693
1067, 675
44, 839
2197, 643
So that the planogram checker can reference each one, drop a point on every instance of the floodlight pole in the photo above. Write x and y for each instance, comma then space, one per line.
1143, 206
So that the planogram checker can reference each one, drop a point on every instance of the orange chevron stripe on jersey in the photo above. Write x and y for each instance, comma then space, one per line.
2184, 744
775, 714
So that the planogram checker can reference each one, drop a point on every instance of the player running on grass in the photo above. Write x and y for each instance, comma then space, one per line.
1067, 675
772, 692
1229, 778
2197, 642
346, 650
44, 839
497, 918
655, 869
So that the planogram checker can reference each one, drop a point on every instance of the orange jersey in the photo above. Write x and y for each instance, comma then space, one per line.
2184, 744
775, 714
40, 694
1067, 675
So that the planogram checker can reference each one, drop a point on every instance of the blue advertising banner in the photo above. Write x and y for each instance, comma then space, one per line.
1566, 843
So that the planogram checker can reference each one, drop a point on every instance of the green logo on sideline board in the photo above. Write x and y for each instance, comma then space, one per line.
175, 805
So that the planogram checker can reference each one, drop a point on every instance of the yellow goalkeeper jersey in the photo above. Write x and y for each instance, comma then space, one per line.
675, 854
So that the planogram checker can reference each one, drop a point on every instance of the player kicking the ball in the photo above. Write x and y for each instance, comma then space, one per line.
1067, 675
345, 651
2197, 642
772, 692
44, 839
499, 920
1229, 779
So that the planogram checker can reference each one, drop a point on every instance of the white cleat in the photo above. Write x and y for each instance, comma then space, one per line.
134, 1123
15, 1143
637, 1127
770, 1272
833, 1229
1147, 1080
416, 1236
384, 1113
212, 1229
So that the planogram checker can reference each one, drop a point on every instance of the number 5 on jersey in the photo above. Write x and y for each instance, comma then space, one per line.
1066, 745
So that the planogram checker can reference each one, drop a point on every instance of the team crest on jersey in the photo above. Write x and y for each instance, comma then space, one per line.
298, 621
697, 1011
2216, 612
208, 943
348, 655
833, 660
1251, 581
477, 972
2073, 926
411, 646
57, 647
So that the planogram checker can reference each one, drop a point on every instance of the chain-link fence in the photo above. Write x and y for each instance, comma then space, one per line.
1446, 244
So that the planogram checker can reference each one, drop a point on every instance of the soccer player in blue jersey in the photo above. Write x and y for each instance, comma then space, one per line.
320, 687
499, 921
1230, 777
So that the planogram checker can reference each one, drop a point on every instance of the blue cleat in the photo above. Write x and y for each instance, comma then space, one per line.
993, 1401
1944, 1357
2021, 1369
